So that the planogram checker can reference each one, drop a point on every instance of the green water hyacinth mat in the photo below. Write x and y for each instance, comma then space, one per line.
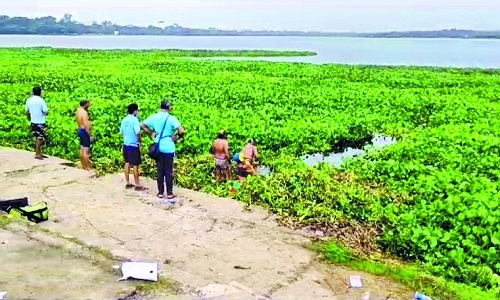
433, 195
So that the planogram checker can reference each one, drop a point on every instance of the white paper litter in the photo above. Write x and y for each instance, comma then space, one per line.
355, 281
140, 270
3, 295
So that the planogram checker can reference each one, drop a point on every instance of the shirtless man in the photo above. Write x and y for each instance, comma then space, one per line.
82, 118
248, 156
220, 150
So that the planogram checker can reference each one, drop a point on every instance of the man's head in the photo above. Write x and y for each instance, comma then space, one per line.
37, 91
85, 104
166, 105
222, 134
133, 109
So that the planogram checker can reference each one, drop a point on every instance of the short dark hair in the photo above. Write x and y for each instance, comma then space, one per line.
165, 104
222, 134
84, 102
37, 91
132, 108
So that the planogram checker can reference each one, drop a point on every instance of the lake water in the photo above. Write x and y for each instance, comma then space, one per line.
337, 158
368, 51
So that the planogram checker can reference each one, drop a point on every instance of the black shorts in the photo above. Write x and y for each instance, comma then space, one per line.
39, 131
242, 171
84, 138
132, 155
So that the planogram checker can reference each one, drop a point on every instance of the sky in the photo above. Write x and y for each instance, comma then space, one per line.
307, 15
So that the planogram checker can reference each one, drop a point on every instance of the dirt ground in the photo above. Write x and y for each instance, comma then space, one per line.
37, 266
212, 247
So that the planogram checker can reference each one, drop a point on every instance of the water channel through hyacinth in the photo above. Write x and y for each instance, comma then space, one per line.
337, 158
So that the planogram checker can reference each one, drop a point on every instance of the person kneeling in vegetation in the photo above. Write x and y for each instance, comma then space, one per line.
246, 160
220, 150
130, 128
161, 126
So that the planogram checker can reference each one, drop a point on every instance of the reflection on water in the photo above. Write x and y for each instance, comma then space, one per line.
263, 170
336, 159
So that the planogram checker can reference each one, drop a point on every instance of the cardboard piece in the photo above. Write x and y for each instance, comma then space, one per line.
355, 281
139, 270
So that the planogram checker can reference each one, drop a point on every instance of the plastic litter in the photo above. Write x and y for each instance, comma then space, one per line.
3, 295
421, 296
355, 281
139, 270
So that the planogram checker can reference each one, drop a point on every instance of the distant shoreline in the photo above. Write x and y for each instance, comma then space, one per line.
68, 27
257, 35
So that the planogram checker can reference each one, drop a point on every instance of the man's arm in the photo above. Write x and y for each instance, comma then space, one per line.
180, 133
137, 131
180, 130
147, 125
226, 149
28, 115
45, 109
255, 152
86, 123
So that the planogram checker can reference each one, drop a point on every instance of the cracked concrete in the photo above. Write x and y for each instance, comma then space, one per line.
198, 243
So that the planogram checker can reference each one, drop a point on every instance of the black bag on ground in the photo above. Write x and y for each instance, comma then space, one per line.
6, 205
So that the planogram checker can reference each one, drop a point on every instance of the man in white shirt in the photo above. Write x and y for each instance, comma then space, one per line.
36, 111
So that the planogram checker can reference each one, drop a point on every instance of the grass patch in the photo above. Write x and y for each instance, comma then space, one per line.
169, 52
162, 286
411, 275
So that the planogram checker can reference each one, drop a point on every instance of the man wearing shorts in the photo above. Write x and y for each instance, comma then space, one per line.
131, 130
220, 150
82, 119
36, 111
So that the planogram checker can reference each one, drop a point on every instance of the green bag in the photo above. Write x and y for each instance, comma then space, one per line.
35, 213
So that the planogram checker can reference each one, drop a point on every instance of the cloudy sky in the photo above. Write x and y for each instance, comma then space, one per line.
324, 15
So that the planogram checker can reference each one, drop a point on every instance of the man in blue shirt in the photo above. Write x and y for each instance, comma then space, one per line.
164, 122
131, 130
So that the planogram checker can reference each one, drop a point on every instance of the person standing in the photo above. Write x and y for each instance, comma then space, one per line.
82, 119
130, 128
161, 126
36, 112
220, 150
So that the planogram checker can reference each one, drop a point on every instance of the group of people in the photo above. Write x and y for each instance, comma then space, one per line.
245, 160
165, 130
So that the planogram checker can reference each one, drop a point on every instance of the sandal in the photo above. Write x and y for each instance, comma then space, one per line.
170, 196
140, 188
159, 196
129, 186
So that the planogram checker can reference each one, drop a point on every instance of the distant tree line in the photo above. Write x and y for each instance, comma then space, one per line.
67, 26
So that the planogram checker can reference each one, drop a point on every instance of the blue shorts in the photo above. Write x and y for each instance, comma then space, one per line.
84, 138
